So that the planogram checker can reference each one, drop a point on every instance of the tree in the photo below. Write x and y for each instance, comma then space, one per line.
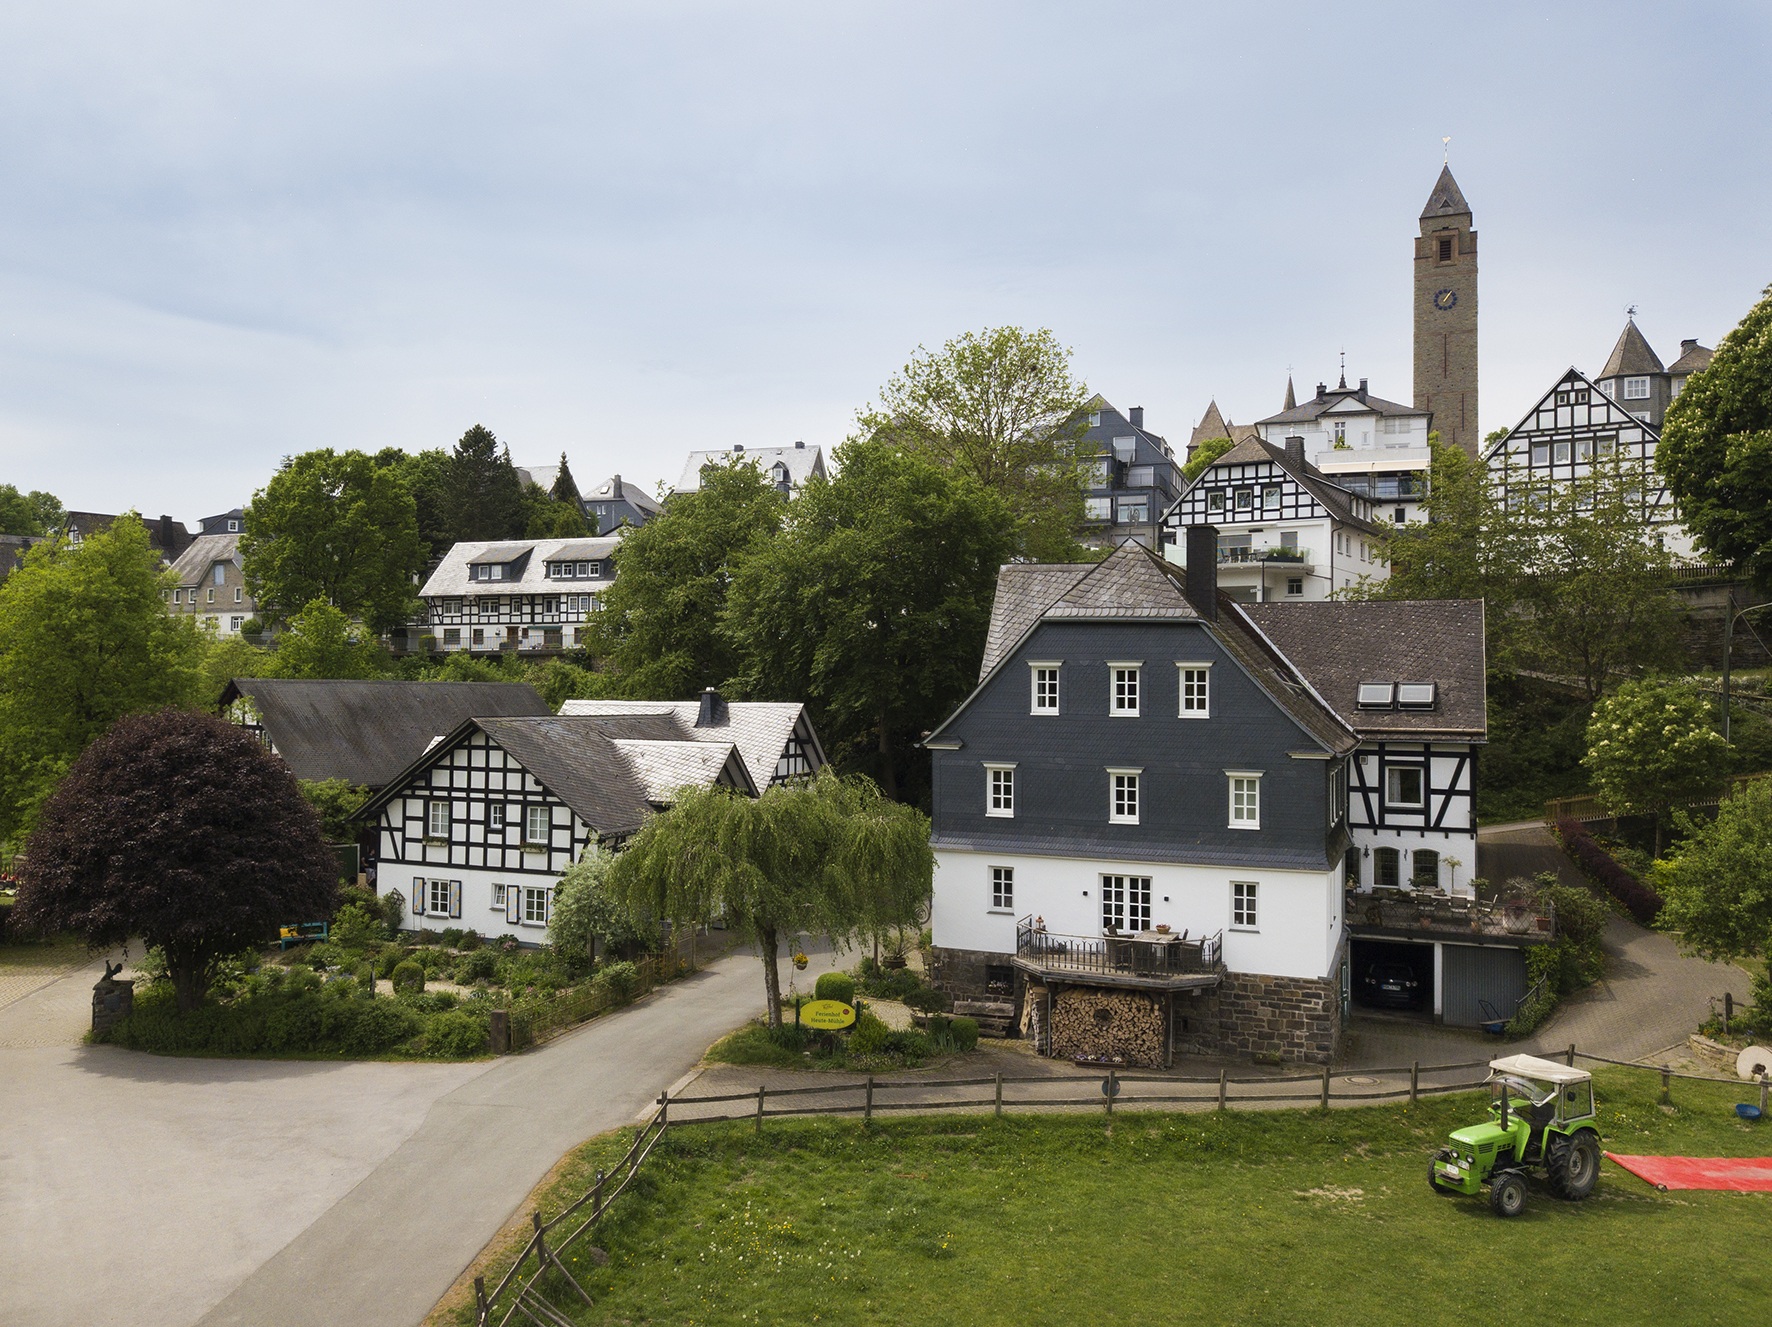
34, 513
322, 643
813, 855
659, 632
1718, 889
546, 517
1000, 407
336, 527
1204, 455
485, 494
1716, 448
585, 914
427, 477
565, 488
1651, 744
85, 638
335, 801
873, 601
226, 658
181, 829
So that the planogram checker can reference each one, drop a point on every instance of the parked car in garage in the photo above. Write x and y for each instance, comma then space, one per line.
1392, 985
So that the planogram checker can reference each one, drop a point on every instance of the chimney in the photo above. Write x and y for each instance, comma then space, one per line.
1362, 392
1322, 390
1136, 415
713, 710
738, 446
1295, 452
1688, 345
1202, 570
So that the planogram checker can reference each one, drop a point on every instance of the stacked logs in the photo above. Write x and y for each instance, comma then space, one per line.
1111, 1026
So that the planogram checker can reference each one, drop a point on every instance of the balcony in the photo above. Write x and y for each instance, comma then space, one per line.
1149, 960
1382, 913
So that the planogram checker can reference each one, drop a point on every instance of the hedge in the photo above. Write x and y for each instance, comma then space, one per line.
1639, 900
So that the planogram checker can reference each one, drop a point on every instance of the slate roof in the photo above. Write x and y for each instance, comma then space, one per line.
1447, 199
168, 537
614, 489
1320, 486
611, 770
1693, 358
1132, 582
759, 728
1631, 355
802, 463
1336, 646
1211, 426
1316, 407
367, 732
205, 551
452, 576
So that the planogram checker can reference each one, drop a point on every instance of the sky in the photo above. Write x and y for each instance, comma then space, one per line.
230, 233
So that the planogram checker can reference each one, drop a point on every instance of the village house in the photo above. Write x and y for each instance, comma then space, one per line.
517, 595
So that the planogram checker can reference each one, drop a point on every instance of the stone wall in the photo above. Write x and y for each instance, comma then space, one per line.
965, 974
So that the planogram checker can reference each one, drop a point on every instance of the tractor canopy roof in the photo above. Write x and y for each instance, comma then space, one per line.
1530, 1066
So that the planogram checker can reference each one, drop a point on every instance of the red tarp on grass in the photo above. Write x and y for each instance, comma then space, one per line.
1744, 1174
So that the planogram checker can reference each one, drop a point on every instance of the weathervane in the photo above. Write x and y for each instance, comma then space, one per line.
1446, 146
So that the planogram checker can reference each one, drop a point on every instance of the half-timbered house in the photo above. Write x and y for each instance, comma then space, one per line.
517, 595
1572, 429
1144, 811
776, 738
1285, 530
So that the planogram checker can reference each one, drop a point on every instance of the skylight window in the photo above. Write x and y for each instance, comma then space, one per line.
1415, 695
1377, 695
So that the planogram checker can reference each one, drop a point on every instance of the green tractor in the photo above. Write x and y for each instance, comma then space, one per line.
1542, 1118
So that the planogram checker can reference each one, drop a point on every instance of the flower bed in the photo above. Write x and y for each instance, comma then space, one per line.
1643, 903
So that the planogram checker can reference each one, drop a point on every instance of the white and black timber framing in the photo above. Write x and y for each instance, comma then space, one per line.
1296, 503
1448, 776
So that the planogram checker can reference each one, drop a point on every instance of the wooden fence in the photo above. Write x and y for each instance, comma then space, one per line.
1587, 808
538, 1256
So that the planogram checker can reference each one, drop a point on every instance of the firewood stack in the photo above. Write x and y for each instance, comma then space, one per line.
1108, 1025
1033, 1020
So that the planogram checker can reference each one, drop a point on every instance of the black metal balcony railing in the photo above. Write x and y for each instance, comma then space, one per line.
1264, 555
1138, 955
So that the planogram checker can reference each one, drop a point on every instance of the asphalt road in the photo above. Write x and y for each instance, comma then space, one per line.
163, 1192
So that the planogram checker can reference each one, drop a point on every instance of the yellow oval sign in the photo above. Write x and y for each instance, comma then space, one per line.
827, 1015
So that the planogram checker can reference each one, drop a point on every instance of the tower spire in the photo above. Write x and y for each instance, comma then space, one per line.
1291, 396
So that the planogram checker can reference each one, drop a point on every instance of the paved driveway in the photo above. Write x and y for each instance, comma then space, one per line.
161, 1192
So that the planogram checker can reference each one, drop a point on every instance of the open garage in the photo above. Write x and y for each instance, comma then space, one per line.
1378, 964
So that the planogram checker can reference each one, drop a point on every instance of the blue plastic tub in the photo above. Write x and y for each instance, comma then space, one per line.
1747, 1112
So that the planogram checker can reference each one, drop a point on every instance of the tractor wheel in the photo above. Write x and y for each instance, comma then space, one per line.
1507, 1195
1433, 1180
1574, 1164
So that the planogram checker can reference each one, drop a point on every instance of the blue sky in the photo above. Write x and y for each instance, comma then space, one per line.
623, 231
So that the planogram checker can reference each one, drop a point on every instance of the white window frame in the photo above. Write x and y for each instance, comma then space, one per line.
1245, 905
1002, 889
432, 807
1116, 683
1560, 453
1035, 668
1270, 491
1203, 710
1243, 791
1390, 778
1123, 790
999, 790
1636, 389
495, 815
535, 898
1125, 902
498, 895
1215, 500
530, 814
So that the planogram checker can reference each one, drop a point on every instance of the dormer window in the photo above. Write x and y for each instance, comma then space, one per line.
1377, 695
489, 571
233, 527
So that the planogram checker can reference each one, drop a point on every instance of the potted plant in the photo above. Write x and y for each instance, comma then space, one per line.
800, 960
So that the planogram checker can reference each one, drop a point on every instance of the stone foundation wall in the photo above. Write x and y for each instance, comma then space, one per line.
964, 974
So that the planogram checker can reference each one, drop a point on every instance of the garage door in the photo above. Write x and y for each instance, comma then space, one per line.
1471, 974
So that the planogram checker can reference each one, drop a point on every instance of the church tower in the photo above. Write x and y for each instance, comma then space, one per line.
1446, 315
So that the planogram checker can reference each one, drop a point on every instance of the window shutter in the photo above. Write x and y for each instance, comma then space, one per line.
548, 908
455, 898
418, 896
513, 903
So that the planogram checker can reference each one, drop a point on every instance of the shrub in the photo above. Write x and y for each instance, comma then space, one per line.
476, 965
366, 976
389, 959
433, 961
868, 968
965, 1031
457, 1034
619, 980
425, 937
1639, 900
408, 976
429, 1002
300, 978
870, 1035
324, 955
356, 928
393, 911
838, 986
356, 896
470, 941
790, 1036
376, 1026
450, 936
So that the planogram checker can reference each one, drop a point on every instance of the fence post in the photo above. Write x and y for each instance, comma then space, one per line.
1000, 1094
480, 1300
1666, 1083
597, 1198
1414, 1082
761, 1089
867, 1110
664, 1106
1223, 1078
1728, 1010
501, 1032
1325, 1087
1571, 1055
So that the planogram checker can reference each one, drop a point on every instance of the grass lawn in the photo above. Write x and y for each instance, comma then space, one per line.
1283, 1217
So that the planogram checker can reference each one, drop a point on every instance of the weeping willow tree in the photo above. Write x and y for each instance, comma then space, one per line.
822, 854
